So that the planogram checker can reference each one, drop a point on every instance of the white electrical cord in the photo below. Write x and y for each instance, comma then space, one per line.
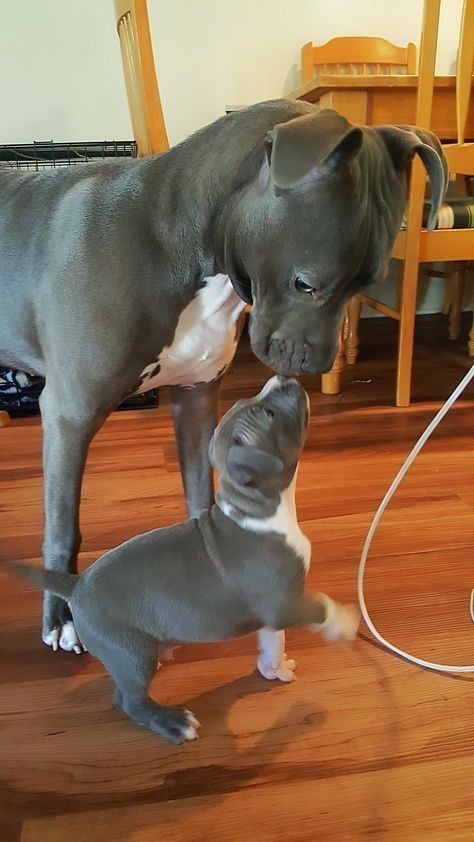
373, 527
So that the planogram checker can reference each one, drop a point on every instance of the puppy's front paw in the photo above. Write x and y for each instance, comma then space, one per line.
342, 622
285, 670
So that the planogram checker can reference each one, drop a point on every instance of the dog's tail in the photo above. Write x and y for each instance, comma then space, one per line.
61, 584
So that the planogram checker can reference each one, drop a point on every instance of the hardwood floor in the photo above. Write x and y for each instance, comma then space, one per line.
362, 745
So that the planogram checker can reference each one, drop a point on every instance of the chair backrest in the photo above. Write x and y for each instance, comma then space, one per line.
427, 63
464, 68
140, 76
356, 55
460, 155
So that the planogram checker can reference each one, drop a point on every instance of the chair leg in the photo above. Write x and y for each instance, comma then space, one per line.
458, 283
471, 339
446, 299
352, 341
406, 332
331, 383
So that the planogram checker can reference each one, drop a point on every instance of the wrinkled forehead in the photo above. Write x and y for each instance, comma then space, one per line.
284, 407
322, 232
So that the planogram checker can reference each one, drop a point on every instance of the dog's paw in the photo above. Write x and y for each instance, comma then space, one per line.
58, 628
285, 670
342, 623
65, 638
176, 725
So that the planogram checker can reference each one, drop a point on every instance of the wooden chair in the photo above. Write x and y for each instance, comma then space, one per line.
353, 55
414, 245
356, 55
140, 77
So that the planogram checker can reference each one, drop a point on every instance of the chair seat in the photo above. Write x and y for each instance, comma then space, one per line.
457, 212
453, 213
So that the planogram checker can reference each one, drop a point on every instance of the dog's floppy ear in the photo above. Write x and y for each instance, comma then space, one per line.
248, 465
323, 138
403, 143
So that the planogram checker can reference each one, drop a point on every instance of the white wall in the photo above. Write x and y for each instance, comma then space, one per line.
61, 74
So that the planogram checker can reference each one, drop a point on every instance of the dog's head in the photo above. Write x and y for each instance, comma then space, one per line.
257, 444
313, 220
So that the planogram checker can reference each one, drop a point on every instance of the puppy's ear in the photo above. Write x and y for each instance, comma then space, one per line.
248, 466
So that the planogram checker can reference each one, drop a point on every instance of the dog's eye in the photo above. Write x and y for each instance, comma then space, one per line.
237, 440
301, 286
269, 412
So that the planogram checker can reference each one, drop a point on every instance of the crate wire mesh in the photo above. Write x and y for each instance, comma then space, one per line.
46, 154
19, 391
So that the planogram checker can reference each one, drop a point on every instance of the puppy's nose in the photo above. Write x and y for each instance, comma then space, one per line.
271, 384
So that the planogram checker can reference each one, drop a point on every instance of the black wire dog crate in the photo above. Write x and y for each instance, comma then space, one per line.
19, 391
46, 154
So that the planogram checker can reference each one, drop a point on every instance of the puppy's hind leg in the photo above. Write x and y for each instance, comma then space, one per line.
132, 661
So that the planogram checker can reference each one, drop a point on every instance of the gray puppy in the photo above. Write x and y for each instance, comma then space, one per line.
237, 569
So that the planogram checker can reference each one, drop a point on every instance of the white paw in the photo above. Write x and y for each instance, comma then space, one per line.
66, 638
190, 730
285, 670
342, 623
52, 639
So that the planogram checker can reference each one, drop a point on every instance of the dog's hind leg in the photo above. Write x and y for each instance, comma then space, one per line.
67, 432
131, 659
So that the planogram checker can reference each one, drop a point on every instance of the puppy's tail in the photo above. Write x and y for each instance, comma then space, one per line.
61, 584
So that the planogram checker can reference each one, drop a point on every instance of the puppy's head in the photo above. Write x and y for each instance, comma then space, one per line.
258, 442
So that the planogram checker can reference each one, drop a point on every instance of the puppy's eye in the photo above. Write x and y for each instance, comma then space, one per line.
237, 440
301, 286
258, 409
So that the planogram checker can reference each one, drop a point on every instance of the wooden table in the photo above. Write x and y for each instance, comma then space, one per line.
376, 100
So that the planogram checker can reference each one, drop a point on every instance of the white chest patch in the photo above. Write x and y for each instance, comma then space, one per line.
284, 522
204, 342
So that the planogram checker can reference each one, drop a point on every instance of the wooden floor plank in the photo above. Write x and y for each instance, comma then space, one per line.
393, 803
362, 745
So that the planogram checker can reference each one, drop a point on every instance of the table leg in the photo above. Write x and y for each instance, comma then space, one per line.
352, 338
331, 382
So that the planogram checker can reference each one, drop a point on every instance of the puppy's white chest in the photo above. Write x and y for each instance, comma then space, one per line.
204, 341
298, 541
285, 522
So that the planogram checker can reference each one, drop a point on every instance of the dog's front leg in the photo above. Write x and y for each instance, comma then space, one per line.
272, 662
195, 415
321, 614
65, 444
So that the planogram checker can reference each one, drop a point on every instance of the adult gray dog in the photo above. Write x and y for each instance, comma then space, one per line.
114, 277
